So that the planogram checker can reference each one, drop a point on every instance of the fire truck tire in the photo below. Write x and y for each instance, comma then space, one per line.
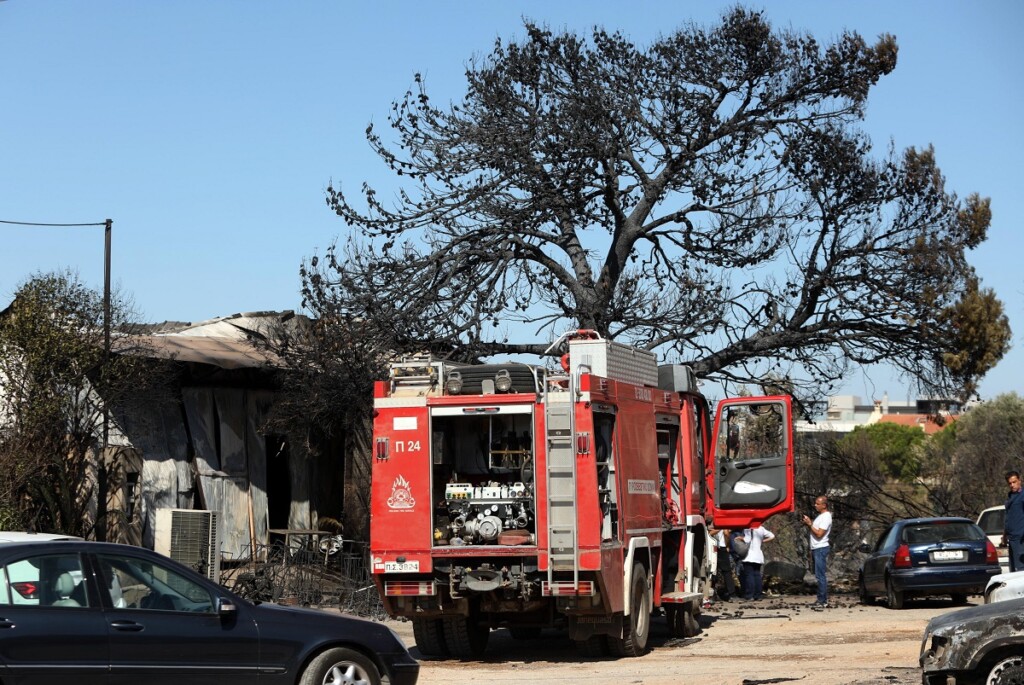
691, 627
464, 637
429, 635
638, 628
674, 619
595, 646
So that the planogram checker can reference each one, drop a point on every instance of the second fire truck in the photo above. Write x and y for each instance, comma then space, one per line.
515, 496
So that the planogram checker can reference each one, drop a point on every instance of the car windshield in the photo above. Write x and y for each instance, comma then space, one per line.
924, 533
991, 521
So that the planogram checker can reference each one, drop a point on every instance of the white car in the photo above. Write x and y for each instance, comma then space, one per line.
1004, 586
992, 521
23, 577
20, 536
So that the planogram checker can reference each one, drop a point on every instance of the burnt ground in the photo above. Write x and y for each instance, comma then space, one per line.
780, 639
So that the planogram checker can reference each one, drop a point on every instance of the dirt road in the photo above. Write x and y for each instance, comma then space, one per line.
776, 640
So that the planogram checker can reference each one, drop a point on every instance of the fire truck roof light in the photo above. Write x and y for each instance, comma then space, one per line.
503, 381
453, 384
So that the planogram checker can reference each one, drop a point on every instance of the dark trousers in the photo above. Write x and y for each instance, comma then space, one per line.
820, 566
750, 581
1016, 549
726, 584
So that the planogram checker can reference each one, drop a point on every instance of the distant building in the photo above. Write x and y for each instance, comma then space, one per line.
843, 413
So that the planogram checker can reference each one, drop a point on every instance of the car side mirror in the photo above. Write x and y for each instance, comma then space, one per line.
865, 547
225, 607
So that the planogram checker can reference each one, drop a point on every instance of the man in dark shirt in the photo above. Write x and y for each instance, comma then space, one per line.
1013, 529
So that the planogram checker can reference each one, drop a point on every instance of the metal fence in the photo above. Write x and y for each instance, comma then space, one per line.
332, 574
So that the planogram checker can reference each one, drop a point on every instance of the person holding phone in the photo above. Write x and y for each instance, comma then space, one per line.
820, 527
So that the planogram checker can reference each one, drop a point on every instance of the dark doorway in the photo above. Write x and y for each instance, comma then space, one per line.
279, 482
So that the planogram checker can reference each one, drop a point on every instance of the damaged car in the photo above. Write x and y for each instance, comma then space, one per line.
982, 644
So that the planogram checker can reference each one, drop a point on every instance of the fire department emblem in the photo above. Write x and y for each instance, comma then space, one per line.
401, 495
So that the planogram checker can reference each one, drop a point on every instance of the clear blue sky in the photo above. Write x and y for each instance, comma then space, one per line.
208, 130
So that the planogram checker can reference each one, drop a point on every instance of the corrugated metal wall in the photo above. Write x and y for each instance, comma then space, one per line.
229, 470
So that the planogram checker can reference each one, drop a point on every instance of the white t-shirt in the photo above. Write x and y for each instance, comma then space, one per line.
822, 521
755, 536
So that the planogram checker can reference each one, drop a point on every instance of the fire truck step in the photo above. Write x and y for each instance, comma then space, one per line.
681, 597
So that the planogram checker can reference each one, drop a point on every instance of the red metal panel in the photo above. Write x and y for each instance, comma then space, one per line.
400, 501
747, 517
637, 462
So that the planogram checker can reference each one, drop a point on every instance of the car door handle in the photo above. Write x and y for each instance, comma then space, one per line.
127, 626
4, 623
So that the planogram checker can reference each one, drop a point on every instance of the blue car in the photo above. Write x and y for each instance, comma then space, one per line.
926, 557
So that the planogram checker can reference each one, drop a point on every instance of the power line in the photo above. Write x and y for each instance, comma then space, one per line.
33, 223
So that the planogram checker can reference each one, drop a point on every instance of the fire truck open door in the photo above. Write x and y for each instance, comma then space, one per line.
752, 457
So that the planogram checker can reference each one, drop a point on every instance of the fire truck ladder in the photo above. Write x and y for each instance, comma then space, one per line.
563, 541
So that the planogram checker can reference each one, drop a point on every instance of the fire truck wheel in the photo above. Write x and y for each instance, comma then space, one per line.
674, 619
429, 634
595, 646
465, 638
634, 642
670, 618
691, 628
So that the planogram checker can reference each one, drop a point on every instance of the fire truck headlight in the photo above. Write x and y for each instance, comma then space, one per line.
454, 383
502, 381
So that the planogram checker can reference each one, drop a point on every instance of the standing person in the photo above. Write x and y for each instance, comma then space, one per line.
1013, 528
820, 527
726, 584
753, 561
737, 550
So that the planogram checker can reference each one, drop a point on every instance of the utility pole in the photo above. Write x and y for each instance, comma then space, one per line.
102, 473
107, 226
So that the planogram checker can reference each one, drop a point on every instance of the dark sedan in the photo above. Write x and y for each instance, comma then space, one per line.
926, 557
104, 613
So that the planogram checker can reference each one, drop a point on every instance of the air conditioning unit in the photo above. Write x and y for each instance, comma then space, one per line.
191, 537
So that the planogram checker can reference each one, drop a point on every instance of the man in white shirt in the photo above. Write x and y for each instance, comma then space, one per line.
750, 578
820, 527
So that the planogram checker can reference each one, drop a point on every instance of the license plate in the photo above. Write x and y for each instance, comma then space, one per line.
401, 567
948, 555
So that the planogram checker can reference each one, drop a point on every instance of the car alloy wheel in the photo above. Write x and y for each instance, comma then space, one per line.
1007, 672
341, 666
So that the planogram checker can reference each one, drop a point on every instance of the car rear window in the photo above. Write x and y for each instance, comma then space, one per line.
924, 533
993, 521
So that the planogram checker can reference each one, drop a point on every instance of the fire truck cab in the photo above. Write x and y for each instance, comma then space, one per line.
515, 496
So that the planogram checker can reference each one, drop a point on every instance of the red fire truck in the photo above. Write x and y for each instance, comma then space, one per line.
515, 496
